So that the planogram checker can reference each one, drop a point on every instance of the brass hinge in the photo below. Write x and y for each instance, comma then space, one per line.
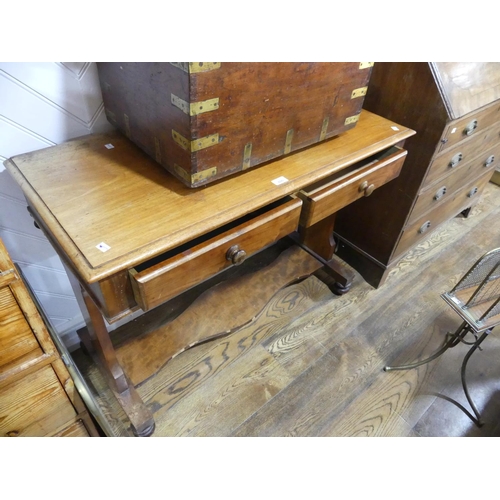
247, 154
324, 128
363, 65
197, 177
288, 141
197, 144
195, 108
359, 92
351, 119
196, 67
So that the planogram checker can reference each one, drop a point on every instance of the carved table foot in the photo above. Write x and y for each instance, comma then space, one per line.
339, 289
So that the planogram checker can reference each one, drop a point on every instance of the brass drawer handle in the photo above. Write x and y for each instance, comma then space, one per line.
471, 126
472, 192
489, 160
440, 193
456, 160
424, 227
368, 189
236, 255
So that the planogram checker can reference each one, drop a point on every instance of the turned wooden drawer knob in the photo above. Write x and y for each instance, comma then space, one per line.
236, 255
367, 188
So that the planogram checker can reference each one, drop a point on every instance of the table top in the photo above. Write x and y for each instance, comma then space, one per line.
110, 208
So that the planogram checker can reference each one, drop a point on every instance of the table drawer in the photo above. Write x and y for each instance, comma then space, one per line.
462, 153
469, 125
170, 274
426, 223
330, 195
435, 195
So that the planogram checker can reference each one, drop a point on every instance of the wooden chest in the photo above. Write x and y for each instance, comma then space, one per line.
205, 121
455, 109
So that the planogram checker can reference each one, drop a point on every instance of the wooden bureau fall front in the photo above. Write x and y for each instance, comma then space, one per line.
135, 237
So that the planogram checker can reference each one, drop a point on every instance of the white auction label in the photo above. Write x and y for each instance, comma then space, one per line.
280, 180
109, 146
103, 247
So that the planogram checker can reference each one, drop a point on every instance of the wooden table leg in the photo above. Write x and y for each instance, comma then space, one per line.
318, 241
96, 337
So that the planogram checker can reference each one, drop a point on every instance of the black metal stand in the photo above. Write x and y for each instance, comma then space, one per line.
455, 339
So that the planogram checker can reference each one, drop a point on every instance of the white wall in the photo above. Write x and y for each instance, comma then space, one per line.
42, 104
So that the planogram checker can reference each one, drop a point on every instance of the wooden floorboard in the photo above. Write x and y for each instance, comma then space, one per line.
311, 363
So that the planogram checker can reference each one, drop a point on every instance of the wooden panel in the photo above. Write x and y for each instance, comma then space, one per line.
16, 337
467, 86
115, 295
460, 201
432, 196
374, 224
161, 282
34, 405
110, 186
331, 196
455, 132
469, 150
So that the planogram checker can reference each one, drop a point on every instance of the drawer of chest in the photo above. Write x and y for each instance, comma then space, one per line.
18, 344
34, 406
434, 195
426, 223
160, 279
469, 125
474, 148
330, 195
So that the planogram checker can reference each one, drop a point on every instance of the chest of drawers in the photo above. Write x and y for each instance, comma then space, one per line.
455, 109
37, 394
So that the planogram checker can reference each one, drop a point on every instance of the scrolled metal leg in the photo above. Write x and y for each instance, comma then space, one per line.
456, 338
477, 420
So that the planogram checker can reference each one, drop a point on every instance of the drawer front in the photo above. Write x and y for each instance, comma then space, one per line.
436, 194
328, 198
426, 223
35, 405
461, 154
163, 281
16, 338
469, 125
